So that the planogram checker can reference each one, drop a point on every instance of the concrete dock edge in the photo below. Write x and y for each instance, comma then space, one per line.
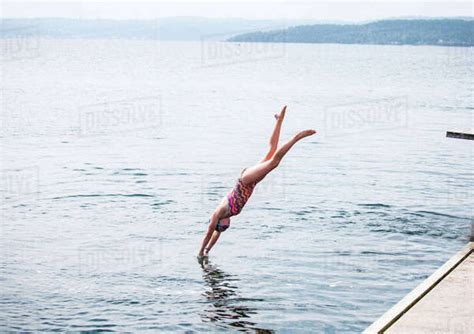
403, 306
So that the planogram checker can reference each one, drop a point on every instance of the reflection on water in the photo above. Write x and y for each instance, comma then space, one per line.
225, 308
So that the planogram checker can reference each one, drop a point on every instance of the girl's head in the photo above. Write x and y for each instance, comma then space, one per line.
223, 224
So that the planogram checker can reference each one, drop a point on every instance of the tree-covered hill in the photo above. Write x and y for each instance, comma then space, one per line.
445, 32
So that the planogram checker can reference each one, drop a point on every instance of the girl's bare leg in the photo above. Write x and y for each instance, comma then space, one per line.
275, 135
212, 242
256, 173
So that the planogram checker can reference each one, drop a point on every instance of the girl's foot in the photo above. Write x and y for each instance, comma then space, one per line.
281, 115
202, 259
305, 133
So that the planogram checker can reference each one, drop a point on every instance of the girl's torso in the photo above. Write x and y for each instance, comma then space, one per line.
238, 197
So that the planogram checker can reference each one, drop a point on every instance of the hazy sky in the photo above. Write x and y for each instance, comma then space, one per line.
317, 10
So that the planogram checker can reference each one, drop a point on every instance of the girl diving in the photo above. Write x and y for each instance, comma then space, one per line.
233, 203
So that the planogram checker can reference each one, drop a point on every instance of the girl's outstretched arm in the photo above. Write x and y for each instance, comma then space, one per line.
210, 230
212, 242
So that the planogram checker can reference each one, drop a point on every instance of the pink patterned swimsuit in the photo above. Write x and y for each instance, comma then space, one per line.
238, 196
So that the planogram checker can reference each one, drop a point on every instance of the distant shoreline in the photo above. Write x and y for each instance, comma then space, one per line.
170, 41
457, 32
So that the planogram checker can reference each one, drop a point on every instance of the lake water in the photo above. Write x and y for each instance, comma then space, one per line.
114, 153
